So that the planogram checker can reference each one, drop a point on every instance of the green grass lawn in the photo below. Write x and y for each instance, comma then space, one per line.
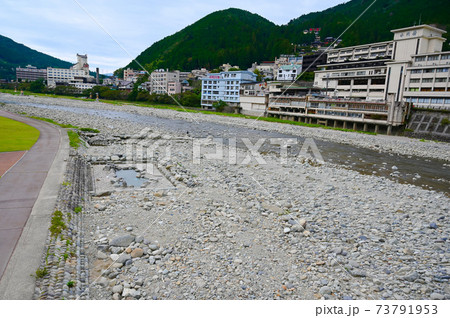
16, 136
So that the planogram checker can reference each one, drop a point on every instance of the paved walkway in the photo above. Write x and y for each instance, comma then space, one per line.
8, 159
21, 189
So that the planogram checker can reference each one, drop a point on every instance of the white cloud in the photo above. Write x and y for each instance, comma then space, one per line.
62, 28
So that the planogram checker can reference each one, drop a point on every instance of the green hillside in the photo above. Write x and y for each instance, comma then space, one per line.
239, 37
375, 24
236, 36
13, 54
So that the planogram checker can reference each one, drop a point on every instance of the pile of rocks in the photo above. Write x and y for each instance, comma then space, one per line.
119, 262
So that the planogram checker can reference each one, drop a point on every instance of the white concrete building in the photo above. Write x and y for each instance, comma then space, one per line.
427, 83
224, 86
411, 68
78, 74
288, 72
361, 52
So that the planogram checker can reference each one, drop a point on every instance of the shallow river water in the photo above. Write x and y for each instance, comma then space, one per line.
428, 173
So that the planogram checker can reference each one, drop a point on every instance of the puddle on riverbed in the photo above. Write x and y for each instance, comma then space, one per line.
129, 178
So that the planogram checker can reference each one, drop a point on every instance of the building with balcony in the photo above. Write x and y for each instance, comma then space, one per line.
30, 73
427, 83
224, 86
411, 68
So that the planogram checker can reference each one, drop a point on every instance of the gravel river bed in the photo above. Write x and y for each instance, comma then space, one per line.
370, 221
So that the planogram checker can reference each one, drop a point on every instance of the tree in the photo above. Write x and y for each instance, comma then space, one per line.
219, 105
259, 76
37, 86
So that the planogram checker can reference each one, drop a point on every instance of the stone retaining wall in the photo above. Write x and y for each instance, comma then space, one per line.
64, 258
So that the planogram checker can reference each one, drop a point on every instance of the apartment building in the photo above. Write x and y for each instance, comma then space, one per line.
30, 73
374, 71
164, 82
224, 86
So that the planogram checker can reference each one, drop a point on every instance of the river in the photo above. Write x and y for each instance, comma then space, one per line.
431, 174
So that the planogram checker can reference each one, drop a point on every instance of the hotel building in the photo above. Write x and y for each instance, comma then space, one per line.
224, 86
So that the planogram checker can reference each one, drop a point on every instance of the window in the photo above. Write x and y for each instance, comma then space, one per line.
420, 59
437, 101
415, 80
441, 70
440, 80
427, 80
445, 57
429, 70
416, 71
433, 58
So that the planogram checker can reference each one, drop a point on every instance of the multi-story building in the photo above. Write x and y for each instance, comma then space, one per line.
411, 68
311, 61
196, 74
288, 60
266, 68
361, 52
164, 82
253, 98
78, 75
224, 86
289, 72
305, 103
30, 73
427, 83
132, 75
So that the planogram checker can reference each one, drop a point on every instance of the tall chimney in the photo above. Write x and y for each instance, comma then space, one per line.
97, 77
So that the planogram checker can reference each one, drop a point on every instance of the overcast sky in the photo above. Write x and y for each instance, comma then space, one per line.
123, 29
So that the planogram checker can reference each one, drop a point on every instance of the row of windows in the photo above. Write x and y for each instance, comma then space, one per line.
427, 89
431, 70
217, 87
432, 58
428, 80
425, 100
217, 98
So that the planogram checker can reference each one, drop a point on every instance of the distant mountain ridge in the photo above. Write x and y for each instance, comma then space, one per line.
240, 38
13, 54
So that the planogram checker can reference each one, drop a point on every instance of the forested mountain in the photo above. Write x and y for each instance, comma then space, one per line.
13, 54
239, 37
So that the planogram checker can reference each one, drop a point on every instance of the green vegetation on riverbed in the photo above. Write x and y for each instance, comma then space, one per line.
51, 121
74, 139
16, 136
